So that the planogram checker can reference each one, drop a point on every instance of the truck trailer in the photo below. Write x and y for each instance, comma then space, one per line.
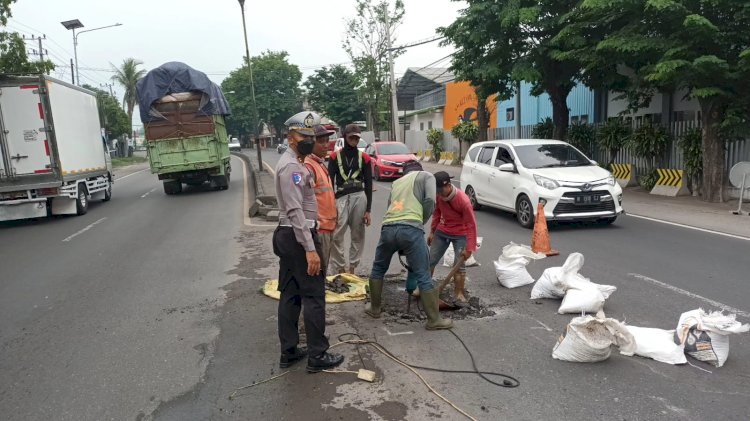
53, 157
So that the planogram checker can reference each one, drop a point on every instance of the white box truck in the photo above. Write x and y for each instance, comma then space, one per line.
53, 158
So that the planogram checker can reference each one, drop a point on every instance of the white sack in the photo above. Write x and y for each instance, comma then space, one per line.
513, 251
450, 256
585, 298
704, 336
588, 339
555, 280
657, 344
512, 273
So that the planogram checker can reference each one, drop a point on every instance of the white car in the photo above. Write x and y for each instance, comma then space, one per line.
340, 145
234, 145
514, 175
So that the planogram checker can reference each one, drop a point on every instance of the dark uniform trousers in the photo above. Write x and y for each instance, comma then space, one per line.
299, 291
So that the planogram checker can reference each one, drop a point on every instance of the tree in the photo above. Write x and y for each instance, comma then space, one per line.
517, 40
366, 43
435, 139
13, 57
277, 93
333, 91
613, 136
128, 75
466, 132
701, 46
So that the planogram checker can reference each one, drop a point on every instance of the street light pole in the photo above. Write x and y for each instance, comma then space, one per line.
252, 86
76, 24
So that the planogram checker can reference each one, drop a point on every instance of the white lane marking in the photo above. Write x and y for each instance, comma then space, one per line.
738, 237
543, 326
246, 200
129, 175
690, 294
84, 230
409, 332
148, 192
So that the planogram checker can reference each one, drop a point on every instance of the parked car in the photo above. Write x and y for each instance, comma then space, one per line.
331, 148
340, 145
234, 145
388, 159
514, 175
282, 147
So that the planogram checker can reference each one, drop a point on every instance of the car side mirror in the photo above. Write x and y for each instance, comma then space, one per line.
509, 167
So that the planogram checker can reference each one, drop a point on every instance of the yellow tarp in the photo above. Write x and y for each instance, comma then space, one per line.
356, 292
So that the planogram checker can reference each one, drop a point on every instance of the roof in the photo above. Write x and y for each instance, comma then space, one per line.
520, 142
436, 74
420, 80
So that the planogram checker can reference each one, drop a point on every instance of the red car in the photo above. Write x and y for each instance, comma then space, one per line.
388, 159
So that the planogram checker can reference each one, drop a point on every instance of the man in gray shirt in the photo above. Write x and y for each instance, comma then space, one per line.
296, 242
410, 205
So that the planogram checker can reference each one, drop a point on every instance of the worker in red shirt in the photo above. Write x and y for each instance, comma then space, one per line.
452, 223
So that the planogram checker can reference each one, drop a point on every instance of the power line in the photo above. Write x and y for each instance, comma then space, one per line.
417, 43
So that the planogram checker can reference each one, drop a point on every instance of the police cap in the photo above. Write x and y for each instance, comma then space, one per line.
303, 122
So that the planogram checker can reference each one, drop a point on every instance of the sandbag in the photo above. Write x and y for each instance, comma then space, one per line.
657, 344
450, 256
585, 298
704, 336
510, 267
588, 339
552, 283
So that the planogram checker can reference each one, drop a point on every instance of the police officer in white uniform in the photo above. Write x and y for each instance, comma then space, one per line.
295, 241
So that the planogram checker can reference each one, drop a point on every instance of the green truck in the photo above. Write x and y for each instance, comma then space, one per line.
186, 136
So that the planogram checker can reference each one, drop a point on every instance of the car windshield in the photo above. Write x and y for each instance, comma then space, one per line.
393, 149
550, 156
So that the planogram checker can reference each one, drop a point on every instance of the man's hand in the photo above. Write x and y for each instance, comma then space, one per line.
430, 238
466, 254
313, 263
367, 219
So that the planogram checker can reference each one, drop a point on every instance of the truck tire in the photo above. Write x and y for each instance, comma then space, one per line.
108, 193
82, 201
172, 187
220, 182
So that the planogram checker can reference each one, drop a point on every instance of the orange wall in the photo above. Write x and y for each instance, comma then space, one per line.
461, 102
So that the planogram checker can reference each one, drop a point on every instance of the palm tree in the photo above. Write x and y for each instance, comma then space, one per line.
128, 75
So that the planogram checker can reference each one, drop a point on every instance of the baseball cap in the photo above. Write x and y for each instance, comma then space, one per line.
352, 129
410, 166
320, 131
442, 179
303, 122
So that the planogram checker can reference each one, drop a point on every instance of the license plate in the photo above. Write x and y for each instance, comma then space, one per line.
588, 199
400, 170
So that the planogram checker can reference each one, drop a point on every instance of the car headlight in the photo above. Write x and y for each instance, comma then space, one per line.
610, 180
389, 163
545, 182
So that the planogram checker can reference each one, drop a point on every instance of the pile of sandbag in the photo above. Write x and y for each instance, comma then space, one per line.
510, 267
657, 344
579, 294
705, 336
450, 256
589, 339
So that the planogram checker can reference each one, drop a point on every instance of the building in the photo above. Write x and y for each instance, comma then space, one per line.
581, 103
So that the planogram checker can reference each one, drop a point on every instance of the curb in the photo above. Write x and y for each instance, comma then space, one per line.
253, 184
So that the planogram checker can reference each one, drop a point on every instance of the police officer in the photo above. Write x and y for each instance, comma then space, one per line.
296, 242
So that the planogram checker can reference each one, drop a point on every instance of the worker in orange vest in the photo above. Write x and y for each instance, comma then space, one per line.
324, 194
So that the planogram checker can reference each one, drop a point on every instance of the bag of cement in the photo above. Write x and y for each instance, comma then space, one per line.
510, 267
553, 282
450, 256
657, 344
585, 298
588, 339
705, 336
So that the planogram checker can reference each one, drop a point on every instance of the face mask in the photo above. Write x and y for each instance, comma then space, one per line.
305, 147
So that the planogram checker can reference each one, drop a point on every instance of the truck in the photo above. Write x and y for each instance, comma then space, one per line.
53, 157
186, 138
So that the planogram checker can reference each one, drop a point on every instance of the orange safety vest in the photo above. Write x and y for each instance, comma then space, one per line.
327, 214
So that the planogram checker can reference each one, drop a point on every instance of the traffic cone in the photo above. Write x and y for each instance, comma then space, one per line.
540, 238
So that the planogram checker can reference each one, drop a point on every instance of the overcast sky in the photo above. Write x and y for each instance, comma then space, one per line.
207, 34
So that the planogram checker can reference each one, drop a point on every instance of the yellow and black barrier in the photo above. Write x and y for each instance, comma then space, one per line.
671, 182
624, 174
446, 158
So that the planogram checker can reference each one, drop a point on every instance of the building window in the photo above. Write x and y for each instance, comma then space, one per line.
421, 127
407, 126
574, 119
429, 125
584, 119
510, 114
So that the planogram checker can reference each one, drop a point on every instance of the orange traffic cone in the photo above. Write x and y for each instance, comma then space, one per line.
540, 239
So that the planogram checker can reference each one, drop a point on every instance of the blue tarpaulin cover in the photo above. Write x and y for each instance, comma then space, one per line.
175, 77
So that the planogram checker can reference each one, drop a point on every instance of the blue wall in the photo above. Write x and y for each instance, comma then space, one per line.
537, 108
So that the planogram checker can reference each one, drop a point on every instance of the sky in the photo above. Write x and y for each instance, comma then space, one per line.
207, 34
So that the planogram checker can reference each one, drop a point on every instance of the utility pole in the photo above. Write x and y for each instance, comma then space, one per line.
518, 110
108, 85
72, 72
39, 39
395, 134
252, 87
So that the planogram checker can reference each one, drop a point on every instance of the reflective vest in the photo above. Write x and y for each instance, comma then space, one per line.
352, 176
404, 205
327, 213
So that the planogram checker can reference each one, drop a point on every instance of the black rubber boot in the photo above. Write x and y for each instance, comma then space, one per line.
430, 302
376, 296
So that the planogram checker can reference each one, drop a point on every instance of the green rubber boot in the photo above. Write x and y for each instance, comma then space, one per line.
376, 295
430, 303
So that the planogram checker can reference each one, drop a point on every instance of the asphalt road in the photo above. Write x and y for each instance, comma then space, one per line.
153, 312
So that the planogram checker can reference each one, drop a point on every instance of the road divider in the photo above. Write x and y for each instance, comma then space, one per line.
671, 183
624, 174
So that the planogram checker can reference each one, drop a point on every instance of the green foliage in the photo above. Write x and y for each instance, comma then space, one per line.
692, 150
277, 93
435, 139
648, 181
583, 137
465, 132
649, 142
613, 136
13, 57
128, 75
5, 10
333, 92
545, 129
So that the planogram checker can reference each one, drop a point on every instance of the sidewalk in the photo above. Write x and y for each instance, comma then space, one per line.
685, 210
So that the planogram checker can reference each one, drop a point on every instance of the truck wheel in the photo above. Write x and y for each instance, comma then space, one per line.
220, 182
82, 201
108, 193
172, 187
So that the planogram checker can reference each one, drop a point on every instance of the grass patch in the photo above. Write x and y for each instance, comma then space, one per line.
124, 162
